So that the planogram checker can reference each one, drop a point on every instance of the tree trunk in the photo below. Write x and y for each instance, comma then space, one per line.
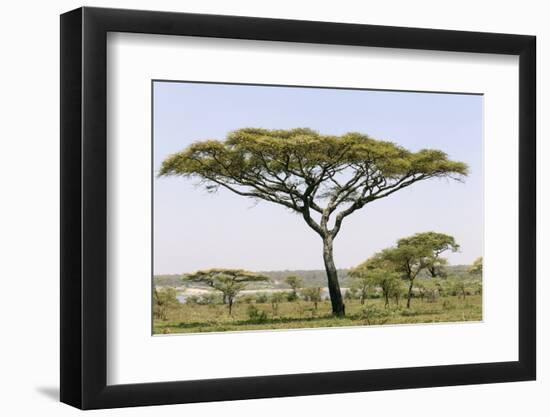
338, 308
409, 295
230, 302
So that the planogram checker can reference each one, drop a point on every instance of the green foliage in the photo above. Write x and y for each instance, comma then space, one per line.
247, 299
256, 315
410, 256
373, 314
292, 296
294, 282
276, 299
312, 294
253, 153
304, 170
477, 267
163, 299
228, 281
435, 244
375, 272
262, 298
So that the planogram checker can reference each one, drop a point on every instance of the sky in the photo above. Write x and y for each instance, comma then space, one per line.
196, 230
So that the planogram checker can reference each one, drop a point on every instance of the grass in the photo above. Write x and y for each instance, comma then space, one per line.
194, 318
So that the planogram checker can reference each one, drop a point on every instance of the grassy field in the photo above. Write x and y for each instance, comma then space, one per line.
195, 318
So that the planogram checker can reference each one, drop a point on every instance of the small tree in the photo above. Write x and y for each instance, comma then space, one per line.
276, 299
312, 294
363, 283
413, 254
351, 293
294, 282
460, 287
421, 289
477, 267
437, 244
323, 178
163, 299
376, 272
228, 281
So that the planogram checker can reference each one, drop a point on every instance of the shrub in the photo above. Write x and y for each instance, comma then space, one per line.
192, 299
261, 298
163, 300
247, 299
256, 315
374, 315
291, 297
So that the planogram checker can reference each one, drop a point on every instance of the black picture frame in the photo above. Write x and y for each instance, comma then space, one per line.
84, 208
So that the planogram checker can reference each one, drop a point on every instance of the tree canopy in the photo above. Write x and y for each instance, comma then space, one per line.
410, 256
308, 172
228, 281
477, 267
434, 244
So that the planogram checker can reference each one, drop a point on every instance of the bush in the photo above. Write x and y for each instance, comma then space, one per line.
163, 300
291, 297
247, 299
192, 299
409, 313
261, 298
208, 299
256, 315
374, 315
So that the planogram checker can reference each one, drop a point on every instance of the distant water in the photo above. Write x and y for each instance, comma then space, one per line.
324, 294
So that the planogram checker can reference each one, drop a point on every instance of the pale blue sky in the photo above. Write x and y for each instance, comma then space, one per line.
195, 230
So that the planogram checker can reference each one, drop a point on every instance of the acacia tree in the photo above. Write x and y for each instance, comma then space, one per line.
437, 243
477, 267
323, 178
312, 294
415, 253
228, 281
376, 272
163, 299
362, 285
294, 282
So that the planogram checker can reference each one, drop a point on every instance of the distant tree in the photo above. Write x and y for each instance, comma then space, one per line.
323, 178
247, 299
437, 243
163, 299
261, 298
312, 294
351, 293
460, 287
411, 255
421, 289
294, 282
277, 297
377, 272
363, 282
477, 267
228, 281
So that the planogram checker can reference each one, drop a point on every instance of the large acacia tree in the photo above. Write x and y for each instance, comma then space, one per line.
323, 178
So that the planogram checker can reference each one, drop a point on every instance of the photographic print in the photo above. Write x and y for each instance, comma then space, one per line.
287, 207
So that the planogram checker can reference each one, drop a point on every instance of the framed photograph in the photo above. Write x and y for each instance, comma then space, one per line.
259, 208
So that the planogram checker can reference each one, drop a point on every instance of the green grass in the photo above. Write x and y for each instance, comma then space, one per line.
193, 318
